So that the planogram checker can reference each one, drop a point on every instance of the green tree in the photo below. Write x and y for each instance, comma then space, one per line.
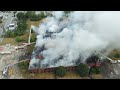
21, 28
29, 14
37, 17
21, 16
82, 69
22, 25
60, 71
95, 70
19, 32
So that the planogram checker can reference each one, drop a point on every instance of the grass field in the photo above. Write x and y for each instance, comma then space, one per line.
8, 41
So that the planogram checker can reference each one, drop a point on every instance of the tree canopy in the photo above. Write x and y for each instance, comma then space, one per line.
60, 71
82, 69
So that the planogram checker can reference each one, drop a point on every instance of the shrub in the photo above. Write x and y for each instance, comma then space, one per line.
82, 69
18, 39
60, 71
95, 70
9, 34
12, 34
33, 38
23, 65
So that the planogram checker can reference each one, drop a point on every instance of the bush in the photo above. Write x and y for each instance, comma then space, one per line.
9, 34
33, 38
82, 69
12, 34
18, 39
95, 70
23, 65
60, 71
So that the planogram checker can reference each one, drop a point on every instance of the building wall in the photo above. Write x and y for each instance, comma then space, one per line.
69, 68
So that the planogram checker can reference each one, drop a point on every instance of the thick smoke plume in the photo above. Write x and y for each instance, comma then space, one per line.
74, 37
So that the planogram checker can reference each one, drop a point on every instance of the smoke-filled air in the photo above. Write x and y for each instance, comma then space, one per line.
70, 39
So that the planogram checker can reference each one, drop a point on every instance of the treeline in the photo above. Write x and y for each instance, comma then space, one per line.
82, 70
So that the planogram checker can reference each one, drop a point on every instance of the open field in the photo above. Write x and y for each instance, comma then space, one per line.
8, 41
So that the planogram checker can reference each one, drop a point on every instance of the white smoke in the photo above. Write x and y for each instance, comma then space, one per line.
82, 33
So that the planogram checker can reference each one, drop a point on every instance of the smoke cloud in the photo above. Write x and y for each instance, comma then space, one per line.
76, 36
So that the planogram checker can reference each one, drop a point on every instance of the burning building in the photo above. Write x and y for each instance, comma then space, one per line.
67, 40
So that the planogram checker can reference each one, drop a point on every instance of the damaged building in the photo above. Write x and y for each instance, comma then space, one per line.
37, 58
